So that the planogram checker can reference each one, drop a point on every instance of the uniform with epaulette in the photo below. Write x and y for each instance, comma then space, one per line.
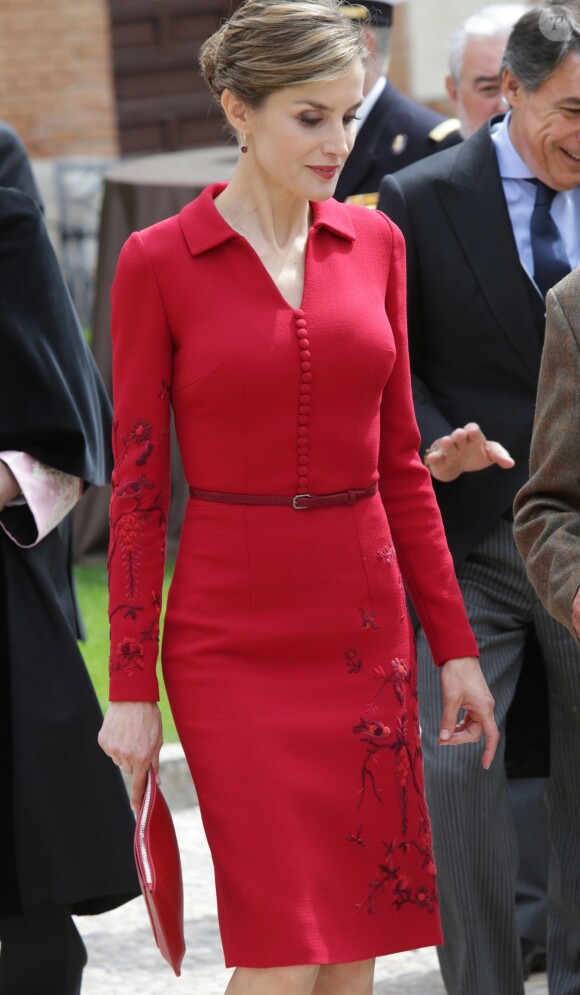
396, 133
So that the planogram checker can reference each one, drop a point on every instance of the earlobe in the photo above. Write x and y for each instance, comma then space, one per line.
511, 88
370, 42
451, 87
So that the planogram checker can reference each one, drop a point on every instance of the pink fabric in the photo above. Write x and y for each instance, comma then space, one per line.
50, 494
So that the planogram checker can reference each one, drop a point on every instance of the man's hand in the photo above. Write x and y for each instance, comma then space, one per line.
464, 686
464, 451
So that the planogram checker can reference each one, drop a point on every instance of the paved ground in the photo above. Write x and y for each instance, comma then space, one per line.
123, 958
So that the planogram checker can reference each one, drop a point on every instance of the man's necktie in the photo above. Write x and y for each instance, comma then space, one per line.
550, 260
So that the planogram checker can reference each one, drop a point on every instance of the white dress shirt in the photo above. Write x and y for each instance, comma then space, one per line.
520, 196
370, 101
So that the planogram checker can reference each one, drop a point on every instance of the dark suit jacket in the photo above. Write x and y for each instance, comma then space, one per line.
475, 323
396, 133
475, 329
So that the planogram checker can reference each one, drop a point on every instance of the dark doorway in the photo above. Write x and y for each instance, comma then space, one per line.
162, 102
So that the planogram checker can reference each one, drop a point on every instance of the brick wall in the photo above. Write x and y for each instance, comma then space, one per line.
400, 62
56, 78
400, 51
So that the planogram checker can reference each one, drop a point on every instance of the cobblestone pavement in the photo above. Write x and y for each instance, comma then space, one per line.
123, 958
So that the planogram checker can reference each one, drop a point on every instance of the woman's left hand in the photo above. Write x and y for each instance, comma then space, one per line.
464, 686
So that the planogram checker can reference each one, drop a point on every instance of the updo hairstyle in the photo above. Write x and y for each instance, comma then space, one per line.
270, 44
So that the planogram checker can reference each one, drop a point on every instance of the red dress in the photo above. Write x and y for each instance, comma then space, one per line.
287, 651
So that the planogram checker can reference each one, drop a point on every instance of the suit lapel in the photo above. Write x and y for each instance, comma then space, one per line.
474, 202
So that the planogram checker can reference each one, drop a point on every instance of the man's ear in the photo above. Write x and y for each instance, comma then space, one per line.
512, 90
451, 87
370, 40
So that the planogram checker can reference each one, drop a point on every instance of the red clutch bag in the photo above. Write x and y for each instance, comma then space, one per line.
159, 872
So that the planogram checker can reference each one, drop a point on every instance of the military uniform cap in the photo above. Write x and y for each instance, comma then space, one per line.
371, 12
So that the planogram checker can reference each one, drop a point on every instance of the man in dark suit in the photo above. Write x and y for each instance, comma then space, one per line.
474, 86
490, 225
393, 130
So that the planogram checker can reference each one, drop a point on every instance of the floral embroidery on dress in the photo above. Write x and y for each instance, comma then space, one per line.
152, 630
137, 503
401, 891
128, 528
377, 736
401, 742
356, 838
386, 554
128, 657
368, 619
141, 433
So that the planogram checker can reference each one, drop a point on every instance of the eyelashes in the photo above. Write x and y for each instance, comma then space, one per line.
310, 122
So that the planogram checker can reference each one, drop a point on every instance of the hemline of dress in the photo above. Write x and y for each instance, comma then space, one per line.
431, 937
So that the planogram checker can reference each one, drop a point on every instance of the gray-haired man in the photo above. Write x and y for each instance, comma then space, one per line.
475, 53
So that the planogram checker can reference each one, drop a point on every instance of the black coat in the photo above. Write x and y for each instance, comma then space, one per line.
15, 170
475, 333
475, 323
396, 133
65, 825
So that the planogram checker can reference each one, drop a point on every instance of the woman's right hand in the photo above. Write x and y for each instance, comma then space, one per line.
132, 736
464, 687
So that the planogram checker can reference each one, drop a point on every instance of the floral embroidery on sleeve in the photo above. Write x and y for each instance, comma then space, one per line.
138, 506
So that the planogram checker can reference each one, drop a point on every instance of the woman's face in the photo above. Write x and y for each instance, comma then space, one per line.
300, 137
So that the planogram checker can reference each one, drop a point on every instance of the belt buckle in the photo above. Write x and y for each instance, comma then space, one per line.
298, 497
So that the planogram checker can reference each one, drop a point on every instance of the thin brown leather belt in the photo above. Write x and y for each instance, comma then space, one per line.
300, 502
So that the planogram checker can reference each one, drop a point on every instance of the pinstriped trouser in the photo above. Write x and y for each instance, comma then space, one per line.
473, 831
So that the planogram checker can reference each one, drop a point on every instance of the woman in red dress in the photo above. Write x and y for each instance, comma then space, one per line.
272, 320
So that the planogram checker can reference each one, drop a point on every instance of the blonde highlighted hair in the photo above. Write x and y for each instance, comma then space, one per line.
271, 44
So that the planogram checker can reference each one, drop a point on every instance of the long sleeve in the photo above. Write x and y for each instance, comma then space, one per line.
407, 493
142, 366
47, 497
547, 519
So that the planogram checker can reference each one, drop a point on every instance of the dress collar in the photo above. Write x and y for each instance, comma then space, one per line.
204, 228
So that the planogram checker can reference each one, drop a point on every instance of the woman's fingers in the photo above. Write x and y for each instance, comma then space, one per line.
132, 736
464, 688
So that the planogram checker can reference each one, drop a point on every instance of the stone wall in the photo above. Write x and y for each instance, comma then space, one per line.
56, 78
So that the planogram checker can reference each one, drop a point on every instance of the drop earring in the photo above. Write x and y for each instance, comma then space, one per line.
244, 144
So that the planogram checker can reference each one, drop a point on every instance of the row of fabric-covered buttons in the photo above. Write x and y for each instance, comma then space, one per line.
304, 405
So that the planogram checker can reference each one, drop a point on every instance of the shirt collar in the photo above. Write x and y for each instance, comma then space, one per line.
370, 101
204, 228
510, 163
